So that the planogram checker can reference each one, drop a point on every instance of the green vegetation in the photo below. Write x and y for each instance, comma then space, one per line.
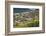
29, 23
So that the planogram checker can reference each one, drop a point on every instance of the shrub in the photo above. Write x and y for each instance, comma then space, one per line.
36, 23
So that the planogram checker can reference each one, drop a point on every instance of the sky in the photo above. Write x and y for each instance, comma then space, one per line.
19, 10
